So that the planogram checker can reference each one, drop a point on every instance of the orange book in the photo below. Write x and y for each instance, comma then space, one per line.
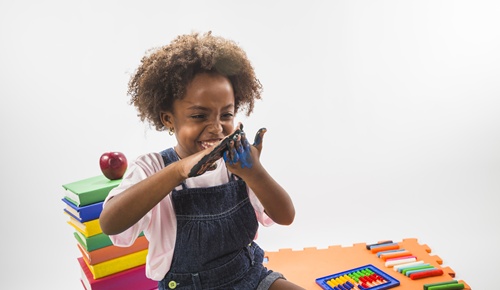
111, 252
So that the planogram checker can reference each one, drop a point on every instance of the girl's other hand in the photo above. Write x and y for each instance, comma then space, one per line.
241, 157
207, 162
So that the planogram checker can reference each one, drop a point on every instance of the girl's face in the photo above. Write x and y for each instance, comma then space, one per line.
204, 116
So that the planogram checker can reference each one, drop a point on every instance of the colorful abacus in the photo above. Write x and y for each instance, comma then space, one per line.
361, 278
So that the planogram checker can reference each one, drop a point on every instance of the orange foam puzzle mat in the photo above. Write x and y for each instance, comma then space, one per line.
312, 268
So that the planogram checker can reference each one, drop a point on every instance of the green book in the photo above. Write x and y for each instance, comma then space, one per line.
94, 242
90, 190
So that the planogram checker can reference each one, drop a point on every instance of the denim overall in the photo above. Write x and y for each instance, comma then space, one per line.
214, 248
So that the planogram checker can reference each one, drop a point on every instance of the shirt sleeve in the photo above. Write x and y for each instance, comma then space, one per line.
144, 166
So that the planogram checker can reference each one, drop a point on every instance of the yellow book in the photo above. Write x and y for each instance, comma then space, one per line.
88, 229
118, 264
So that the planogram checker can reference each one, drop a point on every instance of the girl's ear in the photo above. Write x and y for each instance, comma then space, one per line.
166, 119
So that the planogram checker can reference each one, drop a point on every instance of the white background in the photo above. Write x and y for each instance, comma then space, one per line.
383, 119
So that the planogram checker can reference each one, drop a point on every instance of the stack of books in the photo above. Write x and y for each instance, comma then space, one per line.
103, 265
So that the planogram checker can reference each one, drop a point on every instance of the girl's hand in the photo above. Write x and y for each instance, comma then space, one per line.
207, 162
241, 157
243, 160
193, 166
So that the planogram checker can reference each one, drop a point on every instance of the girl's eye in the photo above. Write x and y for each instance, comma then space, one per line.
197, 116
227, 115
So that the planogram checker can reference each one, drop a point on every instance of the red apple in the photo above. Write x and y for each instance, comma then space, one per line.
113, 165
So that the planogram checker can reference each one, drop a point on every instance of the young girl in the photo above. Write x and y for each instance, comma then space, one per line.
201, 228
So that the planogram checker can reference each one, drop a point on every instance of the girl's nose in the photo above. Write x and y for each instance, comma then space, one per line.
215, 127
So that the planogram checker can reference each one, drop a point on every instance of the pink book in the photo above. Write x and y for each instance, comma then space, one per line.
131, 279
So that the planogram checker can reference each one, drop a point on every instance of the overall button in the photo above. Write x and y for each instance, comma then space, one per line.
172, 284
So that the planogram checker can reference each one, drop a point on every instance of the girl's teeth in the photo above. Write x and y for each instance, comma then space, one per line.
206, 145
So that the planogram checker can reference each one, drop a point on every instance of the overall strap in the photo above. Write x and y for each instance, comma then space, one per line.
170, 156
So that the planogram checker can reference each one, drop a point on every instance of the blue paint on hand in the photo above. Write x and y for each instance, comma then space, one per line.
246, 159
241, 154
224, 155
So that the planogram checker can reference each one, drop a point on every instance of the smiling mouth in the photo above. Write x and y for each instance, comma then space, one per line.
209, 144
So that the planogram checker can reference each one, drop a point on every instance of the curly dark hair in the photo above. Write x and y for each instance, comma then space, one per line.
165, 72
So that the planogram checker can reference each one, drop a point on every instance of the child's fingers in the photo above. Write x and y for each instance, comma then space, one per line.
239, 149
231, 155
213, 166
238, 144
259, 138
230, 151
244, 141
236, 157
225, 156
